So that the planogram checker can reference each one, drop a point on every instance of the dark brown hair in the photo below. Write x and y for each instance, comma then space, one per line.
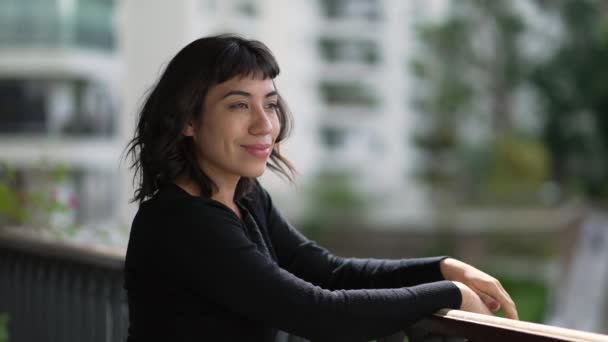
159, 150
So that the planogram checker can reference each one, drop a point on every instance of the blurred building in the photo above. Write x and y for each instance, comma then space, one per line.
59, 71
73, 74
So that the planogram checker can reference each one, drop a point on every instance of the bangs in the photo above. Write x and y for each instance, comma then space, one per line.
248, 60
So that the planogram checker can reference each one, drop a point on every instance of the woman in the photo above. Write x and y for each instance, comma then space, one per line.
210, 256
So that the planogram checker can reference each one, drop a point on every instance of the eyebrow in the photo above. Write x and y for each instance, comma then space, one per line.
247, 94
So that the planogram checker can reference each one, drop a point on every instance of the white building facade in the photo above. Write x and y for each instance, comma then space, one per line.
74, 73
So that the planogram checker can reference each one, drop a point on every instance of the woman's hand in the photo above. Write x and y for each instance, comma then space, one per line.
486, 287
471, 301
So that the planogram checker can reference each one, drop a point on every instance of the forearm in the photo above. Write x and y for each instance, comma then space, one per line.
384, 273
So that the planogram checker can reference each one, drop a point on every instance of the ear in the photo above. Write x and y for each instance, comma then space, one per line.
188, 129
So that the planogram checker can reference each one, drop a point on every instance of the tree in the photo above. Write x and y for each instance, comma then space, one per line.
470, 70
573, 88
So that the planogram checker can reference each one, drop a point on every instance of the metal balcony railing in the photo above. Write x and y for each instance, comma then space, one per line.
62, 293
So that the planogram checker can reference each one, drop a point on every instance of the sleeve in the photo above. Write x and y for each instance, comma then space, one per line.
307, 260
215, 259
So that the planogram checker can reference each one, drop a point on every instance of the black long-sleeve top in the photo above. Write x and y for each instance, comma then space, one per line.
195, 271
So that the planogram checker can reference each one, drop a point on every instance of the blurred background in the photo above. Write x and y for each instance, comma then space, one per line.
471, 128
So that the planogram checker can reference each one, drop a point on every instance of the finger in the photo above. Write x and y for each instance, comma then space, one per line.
488, 312
506, 302
483, 309
504, 291
489, 301
494, 290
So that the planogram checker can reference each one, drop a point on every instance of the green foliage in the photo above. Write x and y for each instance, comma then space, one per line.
333, 199
336, 191
518, 164
462, 77
510, 170
451, 92
19, 206
471, 69
530, 297
532, 247
4, 320
572, 85
10, 203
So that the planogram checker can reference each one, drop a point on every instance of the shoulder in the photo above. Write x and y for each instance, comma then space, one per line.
172, 203
200, 223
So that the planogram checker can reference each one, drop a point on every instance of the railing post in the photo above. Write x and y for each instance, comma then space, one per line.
55, 292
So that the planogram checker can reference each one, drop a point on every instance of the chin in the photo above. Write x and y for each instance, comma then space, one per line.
254, 172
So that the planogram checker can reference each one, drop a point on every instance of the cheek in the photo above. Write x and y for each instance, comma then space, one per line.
220, 137
276, 126
210, 139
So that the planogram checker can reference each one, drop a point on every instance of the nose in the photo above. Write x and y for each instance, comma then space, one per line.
262, 123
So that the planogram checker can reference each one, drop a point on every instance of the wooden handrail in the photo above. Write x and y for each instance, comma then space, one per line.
107, 258
479, 327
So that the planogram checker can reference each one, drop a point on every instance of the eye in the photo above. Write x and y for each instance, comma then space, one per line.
273, 106
240, 105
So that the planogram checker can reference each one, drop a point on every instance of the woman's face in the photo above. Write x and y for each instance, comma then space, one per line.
237, 129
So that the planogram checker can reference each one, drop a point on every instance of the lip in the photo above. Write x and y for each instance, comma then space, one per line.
261, 151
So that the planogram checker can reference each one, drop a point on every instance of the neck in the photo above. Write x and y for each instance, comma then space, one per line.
225, 194
226, 186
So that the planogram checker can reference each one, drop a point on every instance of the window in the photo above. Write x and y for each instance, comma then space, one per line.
347, 94
332, 137
56, 107
246, 8
361, 9
93, 24
44, 23
352, 50
22, 107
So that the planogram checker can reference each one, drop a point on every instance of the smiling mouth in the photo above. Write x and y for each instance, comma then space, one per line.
261, 151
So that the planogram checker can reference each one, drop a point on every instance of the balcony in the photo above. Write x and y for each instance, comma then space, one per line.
81, 23
59, 292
